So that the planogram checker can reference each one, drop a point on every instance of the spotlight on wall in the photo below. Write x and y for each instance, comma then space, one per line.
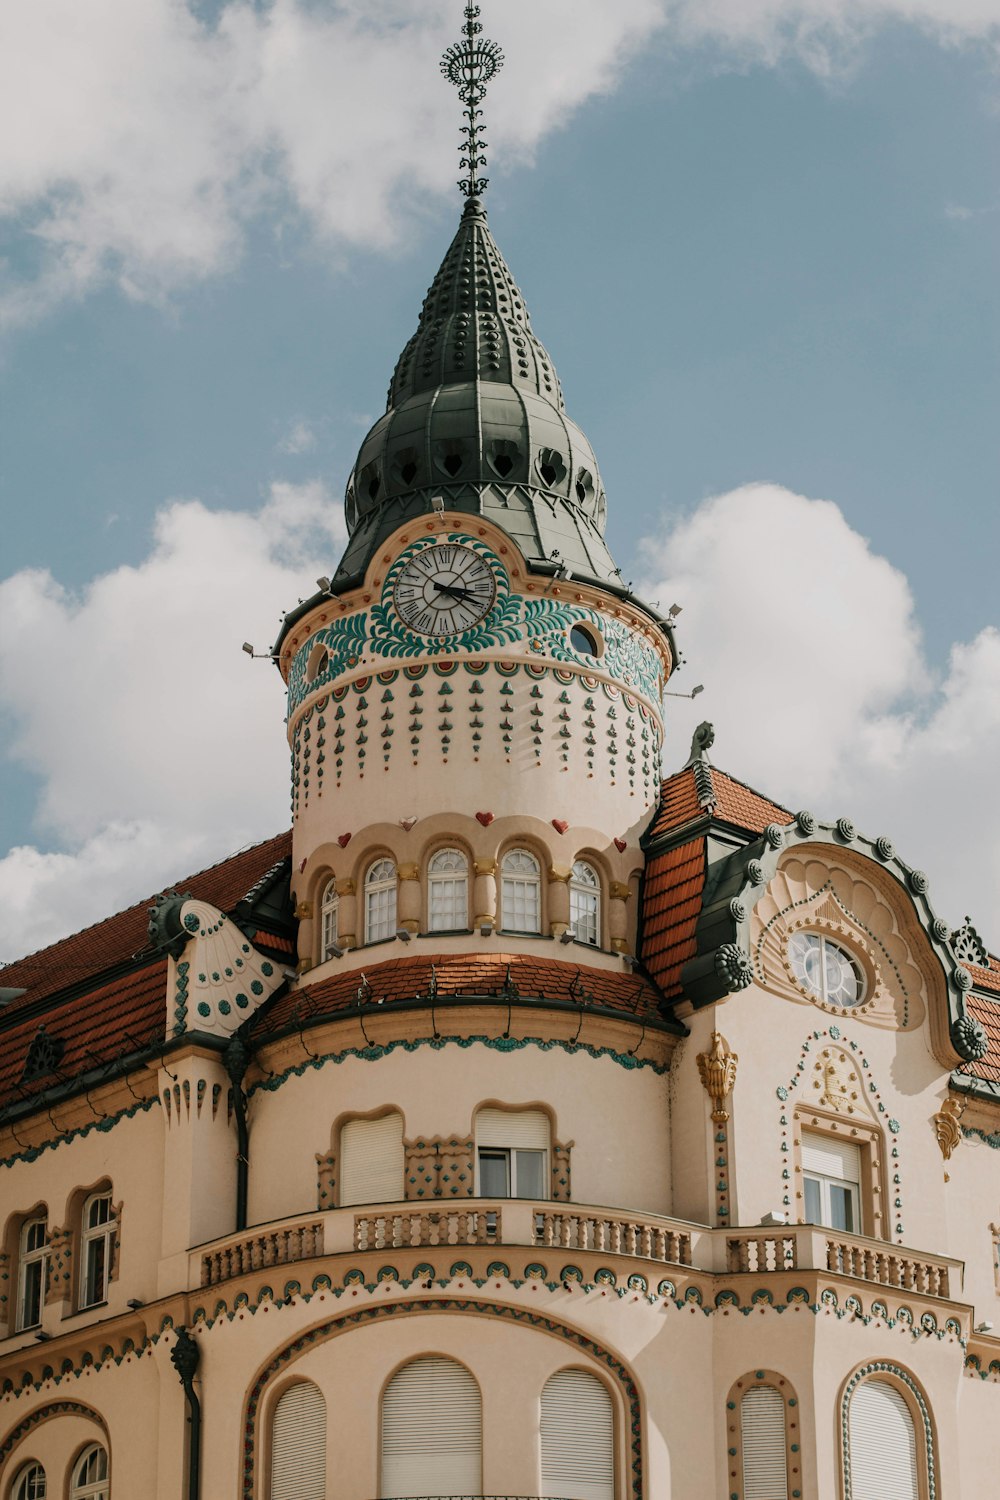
485, 929
290, 974
567, 936
692, 694
631, 960
135, 1303
674, 611
248, 648
258, 655
42, 1336
403, 934
985, 1326
334, 952
324, 584
437, 504
773, 1218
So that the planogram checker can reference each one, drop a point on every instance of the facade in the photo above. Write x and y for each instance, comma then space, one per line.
520, 1123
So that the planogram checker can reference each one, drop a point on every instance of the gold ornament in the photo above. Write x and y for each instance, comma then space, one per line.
947, 1127
717, 1070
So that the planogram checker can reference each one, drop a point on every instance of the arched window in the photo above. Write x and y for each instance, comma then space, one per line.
448, 891
329, 921
763, 1443
380, 901
432, 1431
577, 1428
585, 904
520, 892
512, 1153
883, 1444
90, 1475
298, 1444
97, 1233
30, 1484
371, 1160
31, 1275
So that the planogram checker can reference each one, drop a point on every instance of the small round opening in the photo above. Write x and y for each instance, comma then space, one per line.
585, 640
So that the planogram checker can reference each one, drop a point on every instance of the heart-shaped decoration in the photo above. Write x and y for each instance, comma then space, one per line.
621, 845
406, 824
485, 818
559, 825
345, 839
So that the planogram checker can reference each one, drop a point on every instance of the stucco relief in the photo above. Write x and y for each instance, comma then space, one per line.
813, 895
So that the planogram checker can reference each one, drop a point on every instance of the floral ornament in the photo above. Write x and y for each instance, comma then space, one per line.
968, 1037
733, 967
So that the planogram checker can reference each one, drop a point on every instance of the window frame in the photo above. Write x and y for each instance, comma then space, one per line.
448, 879
90, 1236
592, 890
887, 1372
95, 1489
753, 1380
27, 1258
820, 996
19, 1490
505, 901
329, 916
509, 1154
875, 1219
373, 887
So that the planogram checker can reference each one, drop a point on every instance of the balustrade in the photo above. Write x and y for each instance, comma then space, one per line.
766, 1252
887, 1266
612, 1235
424, 1228
270, 1247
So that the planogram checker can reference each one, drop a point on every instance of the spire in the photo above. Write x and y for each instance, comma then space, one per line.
469, 65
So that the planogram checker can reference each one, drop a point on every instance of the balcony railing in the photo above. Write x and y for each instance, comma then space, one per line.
549, 1228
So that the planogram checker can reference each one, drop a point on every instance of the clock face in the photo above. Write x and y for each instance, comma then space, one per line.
444, 589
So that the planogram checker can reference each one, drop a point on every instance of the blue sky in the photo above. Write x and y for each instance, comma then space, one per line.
762, 252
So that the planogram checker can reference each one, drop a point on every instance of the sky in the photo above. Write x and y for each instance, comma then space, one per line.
759, 239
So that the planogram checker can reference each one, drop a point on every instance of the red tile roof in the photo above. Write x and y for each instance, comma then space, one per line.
988, 978
671, 902
107, 944
732, 801
468, 974
987, 1011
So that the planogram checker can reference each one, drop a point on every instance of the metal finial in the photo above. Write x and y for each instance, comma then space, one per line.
469, 65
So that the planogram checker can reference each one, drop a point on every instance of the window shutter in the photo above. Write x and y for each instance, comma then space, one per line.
371, 1160
527, 1128
883, 1444
432, 1431
830, 1157
762, 1428
298, 1445
578, 1460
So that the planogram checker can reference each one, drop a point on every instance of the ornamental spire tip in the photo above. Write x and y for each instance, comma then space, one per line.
469, 65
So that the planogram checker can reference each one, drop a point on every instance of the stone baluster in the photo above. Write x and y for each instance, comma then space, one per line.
559, 877
619, 894
347, 914
484, 893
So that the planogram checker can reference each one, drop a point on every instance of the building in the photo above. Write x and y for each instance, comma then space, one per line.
521, 1123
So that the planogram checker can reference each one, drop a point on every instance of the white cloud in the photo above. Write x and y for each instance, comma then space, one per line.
300, 438
820, 690
140, 140
159, 745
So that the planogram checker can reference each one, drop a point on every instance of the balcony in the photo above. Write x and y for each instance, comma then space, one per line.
578, 1230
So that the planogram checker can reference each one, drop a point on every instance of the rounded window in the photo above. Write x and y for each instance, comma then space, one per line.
585, 639
90, 1475
319, 660
30, 1483
826, 970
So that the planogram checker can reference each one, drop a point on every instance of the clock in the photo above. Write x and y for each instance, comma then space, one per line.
444, 589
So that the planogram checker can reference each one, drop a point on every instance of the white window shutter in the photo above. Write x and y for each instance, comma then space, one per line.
432, 1431
883, 1444
762, 1430
578, 1449
830, 1157
527, 1128
371, 1160
298, 1445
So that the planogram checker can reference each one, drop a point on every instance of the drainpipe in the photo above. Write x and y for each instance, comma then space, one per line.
237, 1060
185, 1357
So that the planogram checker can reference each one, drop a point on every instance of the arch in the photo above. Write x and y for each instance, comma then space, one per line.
585, 903
329, 920
887, 1435
46, 1414
520, 891
577, 1436
448, 890
762, 1432
443, 1306
380, 888
89, 1474
431, 1430
298, 1443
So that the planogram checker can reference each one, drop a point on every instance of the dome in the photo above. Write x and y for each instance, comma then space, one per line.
475, 413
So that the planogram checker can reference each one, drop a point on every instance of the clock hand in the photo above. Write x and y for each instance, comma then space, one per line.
445, 588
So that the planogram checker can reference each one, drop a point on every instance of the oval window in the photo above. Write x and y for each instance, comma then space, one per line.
826, 970
586, 640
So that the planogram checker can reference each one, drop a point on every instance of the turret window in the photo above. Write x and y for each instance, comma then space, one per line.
512, 1153
520, 892
30, 1484
586, 640
380, 901
96, 1243
585, 904
448, 891
90, 1475
329, 922
32, 1266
